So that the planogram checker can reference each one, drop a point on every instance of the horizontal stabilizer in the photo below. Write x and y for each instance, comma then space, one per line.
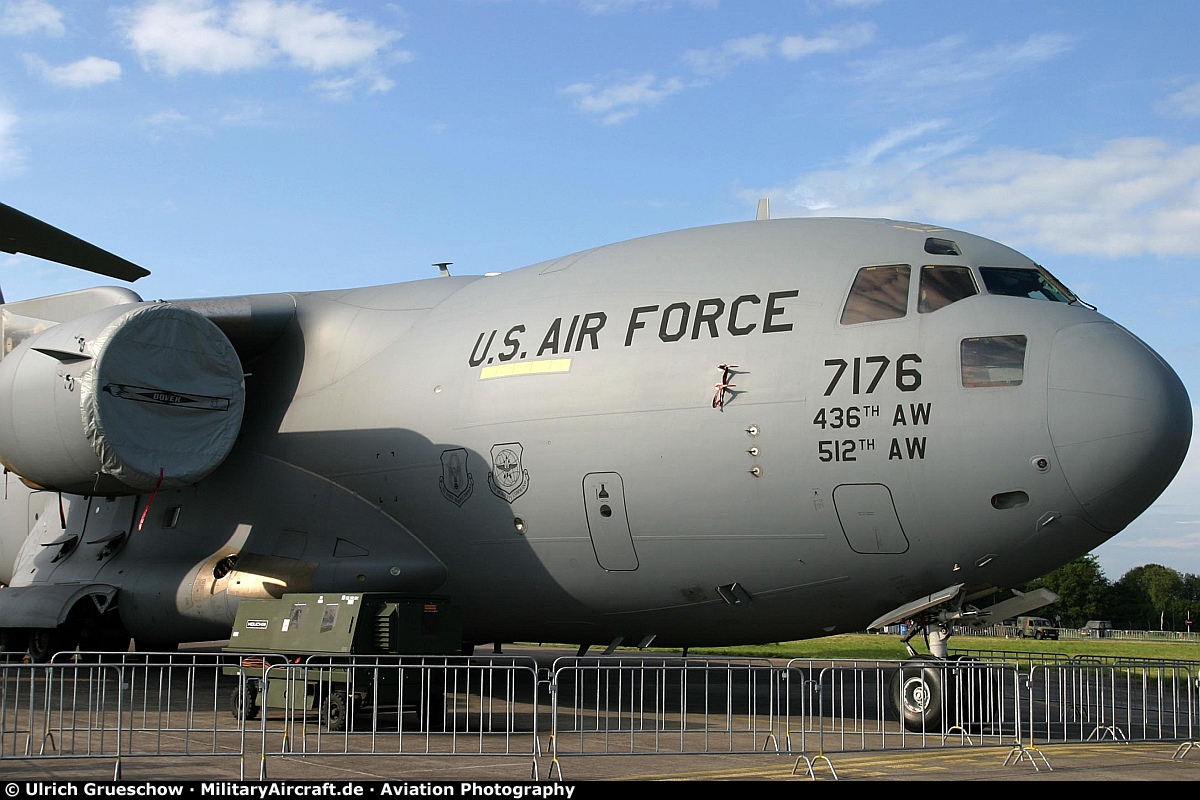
21, 233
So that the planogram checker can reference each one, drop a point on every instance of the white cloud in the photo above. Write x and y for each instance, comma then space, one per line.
310, 37
166, 117
894, 139
1132, 196
189, 35
762, 46
244, 113
345, 87
617, 6
623, 99
12, 159
177, 36
1184, 103
167, 121
171, 121
620, 101
90, 71
21, 17
835, 40
729, 54
952, 60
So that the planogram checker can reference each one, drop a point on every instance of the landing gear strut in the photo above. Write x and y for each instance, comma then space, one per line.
937, 637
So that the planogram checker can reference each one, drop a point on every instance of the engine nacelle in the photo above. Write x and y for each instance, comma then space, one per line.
121, 401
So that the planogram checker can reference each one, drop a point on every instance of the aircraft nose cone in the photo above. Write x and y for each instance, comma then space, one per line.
1119, 418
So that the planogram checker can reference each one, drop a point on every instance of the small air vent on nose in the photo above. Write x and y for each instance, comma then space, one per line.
1010, 500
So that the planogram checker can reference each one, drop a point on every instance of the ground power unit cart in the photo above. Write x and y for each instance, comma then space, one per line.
327, 656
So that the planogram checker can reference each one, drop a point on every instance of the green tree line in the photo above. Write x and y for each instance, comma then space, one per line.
1150, 597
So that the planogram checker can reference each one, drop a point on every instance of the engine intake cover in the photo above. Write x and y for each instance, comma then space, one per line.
121, 400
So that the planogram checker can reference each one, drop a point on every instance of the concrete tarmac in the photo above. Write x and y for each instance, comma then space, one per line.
1109, 761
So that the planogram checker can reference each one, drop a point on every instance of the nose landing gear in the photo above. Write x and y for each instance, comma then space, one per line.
937, 692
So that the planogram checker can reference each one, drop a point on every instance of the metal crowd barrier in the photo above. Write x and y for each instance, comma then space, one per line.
1119, 702
428, 706
85, 709
166, 706
619, 705
879, 705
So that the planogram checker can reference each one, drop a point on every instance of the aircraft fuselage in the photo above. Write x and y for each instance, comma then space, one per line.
715, 436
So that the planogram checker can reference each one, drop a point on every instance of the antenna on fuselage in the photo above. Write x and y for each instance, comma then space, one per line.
764, 209
443, 267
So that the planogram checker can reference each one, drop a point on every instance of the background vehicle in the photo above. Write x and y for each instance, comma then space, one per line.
1099, 628
1036, 628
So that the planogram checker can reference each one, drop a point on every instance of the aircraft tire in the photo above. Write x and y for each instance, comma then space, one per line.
917, 692
45, 642
13, 640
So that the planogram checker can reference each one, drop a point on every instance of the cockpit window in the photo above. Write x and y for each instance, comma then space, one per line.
993, 361
1025, 282
878, 293
941, 286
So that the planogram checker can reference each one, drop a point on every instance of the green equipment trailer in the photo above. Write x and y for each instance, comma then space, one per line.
329, 655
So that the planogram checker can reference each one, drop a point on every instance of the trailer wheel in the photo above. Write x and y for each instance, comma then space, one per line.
244, 701
917, 694
337, 711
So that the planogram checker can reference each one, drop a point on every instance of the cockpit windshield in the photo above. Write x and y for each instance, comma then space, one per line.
1035, 283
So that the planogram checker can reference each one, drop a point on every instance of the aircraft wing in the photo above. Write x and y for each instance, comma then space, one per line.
21, 233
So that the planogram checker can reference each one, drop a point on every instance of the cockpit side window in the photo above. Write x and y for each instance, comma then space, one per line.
993, 361
878, 293
1025, 282
941, 286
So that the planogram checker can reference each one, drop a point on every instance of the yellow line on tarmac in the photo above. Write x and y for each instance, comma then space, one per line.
980, 761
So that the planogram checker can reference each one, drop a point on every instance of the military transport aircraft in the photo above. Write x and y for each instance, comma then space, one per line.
748, 432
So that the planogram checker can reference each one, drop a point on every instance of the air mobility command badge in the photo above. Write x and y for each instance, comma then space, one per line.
508, 478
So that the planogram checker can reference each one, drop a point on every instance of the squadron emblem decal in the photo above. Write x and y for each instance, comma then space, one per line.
456, 484
508, 478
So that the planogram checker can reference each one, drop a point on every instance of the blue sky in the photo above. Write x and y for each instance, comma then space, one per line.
239, 146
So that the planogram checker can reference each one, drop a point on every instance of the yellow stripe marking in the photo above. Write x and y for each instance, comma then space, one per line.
526, 368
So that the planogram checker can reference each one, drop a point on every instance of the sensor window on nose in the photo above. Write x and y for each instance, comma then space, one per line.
989, 361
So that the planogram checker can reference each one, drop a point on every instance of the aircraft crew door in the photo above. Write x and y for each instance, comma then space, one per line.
608, 523
869, 519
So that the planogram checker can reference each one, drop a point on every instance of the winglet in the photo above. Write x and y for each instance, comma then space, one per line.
21, 233
764, 209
